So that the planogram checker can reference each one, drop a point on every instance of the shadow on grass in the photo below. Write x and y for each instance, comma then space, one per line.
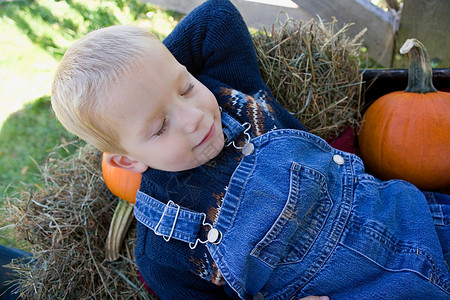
26, 139
101, 17
22, 12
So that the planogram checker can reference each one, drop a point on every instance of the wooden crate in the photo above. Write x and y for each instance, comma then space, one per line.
379, 82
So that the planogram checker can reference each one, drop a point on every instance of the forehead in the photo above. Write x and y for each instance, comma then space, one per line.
158, 52
156, 67
149, 82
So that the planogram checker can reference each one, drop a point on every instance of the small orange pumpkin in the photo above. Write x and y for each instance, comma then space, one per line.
406, 134
122, 183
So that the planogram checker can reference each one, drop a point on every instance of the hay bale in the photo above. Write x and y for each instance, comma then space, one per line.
66, 223
312, 69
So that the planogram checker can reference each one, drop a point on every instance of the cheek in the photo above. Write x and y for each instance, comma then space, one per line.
176, 153
207, 98
171, 160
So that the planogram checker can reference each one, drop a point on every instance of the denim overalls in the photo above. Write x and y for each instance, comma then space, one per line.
300, 218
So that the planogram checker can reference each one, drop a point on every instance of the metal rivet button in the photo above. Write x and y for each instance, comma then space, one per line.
258, 296
338, 159
248, 149
214, 236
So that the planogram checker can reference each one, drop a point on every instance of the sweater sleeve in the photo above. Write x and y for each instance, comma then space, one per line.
213, 41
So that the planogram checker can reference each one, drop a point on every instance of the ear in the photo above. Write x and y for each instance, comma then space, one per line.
125, 162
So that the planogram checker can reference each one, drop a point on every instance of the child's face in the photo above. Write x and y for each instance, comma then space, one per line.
166, 118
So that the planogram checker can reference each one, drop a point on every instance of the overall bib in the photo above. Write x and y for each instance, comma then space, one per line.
300, 218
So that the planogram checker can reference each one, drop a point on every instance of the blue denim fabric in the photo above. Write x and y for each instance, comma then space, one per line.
300, 218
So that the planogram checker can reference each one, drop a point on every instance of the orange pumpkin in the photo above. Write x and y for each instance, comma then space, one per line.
406, 134
122, 183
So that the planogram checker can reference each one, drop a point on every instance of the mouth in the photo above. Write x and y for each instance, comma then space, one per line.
208, 136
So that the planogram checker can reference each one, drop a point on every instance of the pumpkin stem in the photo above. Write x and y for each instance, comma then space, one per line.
123, 215
420, 74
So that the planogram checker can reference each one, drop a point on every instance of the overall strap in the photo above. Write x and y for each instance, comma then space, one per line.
173, 221
231, 127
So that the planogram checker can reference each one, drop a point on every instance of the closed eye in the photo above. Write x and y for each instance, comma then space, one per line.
188, 90
163, 128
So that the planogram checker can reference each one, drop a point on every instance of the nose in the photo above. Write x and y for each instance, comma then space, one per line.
189, 117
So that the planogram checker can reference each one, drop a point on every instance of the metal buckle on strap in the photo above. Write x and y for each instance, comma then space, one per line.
174, 221
248, 126
204, 223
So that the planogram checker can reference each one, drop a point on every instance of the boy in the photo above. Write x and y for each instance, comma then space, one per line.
237, 200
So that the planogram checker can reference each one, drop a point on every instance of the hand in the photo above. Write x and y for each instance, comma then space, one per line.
315, 298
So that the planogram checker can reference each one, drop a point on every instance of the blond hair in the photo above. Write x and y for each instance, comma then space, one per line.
88, 68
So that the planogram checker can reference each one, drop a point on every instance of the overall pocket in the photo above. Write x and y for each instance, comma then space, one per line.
297, 227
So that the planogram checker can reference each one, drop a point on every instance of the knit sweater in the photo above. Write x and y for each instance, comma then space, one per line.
214, 44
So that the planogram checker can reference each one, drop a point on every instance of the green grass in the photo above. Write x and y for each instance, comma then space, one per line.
33, 37
27, 137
